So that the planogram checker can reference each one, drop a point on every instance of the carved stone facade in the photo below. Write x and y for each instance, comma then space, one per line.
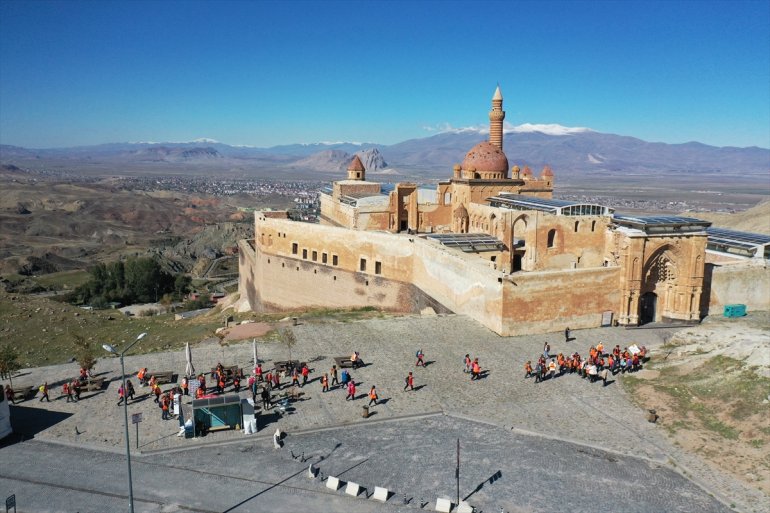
499, 249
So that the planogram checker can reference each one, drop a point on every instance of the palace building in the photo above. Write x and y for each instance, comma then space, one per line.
491, 243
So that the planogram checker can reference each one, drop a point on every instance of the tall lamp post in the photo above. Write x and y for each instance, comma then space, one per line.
108, 347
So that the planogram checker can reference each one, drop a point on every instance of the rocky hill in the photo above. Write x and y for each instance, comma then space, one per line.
337, 161
755, 219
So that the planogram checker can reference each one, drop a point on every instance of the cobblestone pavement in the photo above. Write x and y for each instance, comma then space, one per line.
566, 408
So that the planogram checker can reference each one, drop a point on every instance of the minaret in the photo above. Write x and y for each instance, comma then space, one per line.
496, 117
356, 170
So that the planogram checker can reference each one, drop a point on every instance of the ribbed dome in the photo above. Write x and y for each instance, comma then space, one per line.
486, 158
460, 213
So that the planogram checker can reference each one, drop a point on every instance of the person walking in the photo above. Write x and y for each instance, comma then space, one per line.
334, 375
75, 387
409, 382
546, 350
305, 374
269, 380
185, 386
276, 380
236, 383
130, 392
294, 376
121, 395
345, 377
475, 369
420, 358
157, 392
9, 394
372, 396
351, 390
164, 406
325, 383
265, 398
44, 390
467, 363
65, 391
567, 334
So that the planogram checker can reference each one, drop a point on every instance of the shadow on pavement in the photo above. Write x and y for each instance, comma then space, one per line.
28, 421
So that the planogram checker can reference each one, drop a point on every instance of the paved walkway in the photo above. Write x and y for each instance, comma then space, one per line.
566, 408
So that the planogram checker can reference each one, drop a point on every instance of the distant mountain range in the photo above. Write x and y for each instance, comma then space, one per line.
567, 150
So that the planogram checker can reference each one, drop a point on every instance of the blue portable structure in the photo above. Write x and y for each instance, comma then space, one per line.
217, 413
735, 310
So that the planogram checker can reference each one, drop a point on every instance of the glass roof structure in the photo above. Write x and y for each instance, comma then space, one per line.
552, 206
468, 242
738, 243
661, 224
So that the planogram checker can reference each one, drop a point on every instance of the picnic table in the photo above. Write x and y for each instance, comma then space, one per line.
23, 393
343, 362
91, 384
286, 365
162, 377
230, 370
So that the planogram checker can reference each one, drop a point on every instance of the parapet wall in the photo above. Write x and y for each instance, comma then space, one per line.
745, 283
543, 302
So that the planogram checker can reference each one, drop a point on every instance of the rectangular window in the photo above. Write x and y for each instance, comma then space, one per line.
315, 256
324, 258
377, 267
294, 248
304, 254
362, 265
334, 260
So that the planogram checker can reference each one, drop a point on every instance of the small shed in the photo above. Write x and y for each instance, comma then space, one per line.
217, 413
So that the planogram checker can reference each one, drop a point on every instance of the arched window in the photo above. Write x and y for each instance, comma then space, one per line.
447, 198
551, 238
577, 224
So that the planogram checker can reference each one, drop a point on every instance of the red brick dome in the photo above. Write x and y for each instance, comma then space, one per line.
486, 158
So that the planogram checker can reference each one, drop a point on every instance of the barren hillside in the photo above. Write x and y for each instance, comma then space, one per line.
755, 219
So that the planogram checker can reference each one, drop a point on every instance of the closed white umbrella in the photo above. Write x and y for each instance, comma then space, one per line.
254, 350
189, 370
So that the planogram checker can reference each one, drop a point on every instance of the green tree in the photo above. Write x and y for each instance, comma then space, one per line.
84, 353
182, 284
9, 362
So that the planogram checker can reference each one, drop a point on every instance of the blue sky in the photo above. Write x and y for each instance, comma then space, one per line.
266, 73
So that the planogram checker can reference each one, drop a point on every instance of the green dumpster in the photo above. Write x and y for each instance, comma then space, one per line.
216, 413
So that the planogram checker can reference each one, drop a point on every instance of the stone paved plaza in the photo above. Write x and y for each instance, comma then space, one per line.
574, 424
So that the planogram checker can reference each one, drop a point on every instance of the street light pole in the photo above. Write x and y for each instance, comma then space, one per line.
108, 347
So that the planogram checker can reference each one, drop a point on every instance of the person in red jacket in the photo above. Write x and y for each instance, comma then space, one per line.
372, 396
351, 390
409, 382
305, 374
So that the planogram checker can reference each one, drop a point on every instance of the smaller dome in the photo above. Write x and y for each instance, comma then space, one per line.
356, 164
460, 212
547, 171
515, 169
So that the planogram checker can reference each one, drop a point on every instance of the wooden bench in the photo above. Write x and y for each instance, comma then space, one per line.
91, 384
286, 365
343, 362
24, 393
162, 377
230, 371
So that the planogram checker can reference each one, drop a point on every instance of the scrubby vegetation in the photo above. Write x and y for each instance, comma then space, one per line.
133, 280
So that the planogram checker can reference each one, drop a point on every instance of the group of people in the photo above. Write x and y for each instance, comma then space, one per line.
472, 367
70, 390
597, 365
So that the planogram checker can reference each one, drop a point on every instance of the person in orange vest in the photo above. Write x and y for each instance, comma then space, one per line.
372, 396
164, 406
156, 390
221, 383
305, 374
351, 390
65, 390
140, 376
409, 382
258, 372
420, 358
325, 383
199, 393
528, 369
467, 363
269, 380
236, 383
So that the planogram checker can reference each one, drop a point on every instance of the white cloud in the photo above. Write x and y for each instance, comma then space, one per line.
508, 128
